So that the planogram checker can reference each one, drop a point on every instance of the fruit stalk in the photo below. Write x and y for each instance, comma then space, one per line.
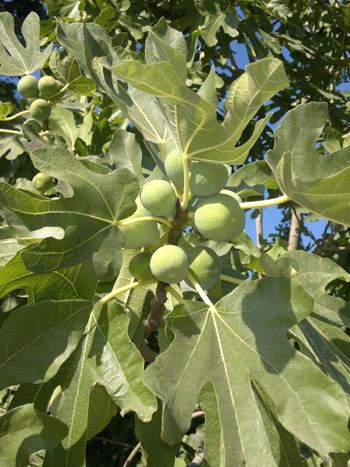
186, 190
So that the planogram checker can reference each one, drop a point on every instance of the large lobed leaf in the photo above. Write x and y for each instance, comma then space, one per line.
105, 356
319, 183
232, 341
193, 120
15, 59
88, 218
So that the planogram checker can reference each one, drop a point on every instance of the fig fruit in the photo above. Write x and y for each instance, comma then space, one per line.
159, 198
139, 266
140, 234
40, 110
204, 265
169, 264
173, 165
28, 87
43, 182
207, 179
219, 218
48, 86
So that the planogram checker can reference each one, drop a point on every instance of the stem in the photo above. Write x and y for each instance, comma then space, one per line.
13, 117
264, 203
135, 220
132, 455
125, 288
230, 279
200, 291
11, 132
59, 92
186, 191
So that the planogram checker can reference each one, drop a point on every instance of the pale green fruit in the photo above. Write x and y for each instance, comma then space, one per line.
40, 110
139, 266
43, 182
204, 265
169, 264
159, 198
173, 165
28, 87
140, 234
219, 218
48, 86
207, 179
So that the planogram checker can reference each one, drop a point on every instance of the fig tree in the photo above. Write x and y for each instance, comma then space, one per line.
207, 179
139, 266
169, 264
48, 86
204, 265
173, 165
43, 182
40, 110
159, 198
140, 234
28, 87
219, 218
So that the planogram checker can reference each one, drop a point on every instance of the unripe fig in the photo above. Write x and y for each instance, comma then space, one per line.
219, 218
40, 110
140, 234
159, 198
173, 165
139, 266
43, 182
48, 86
169, 264
28, 87
204, 265
207, 179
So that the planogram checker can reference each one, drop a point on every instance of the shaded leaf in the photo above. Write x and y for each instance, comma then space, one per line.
23, 431
37, 339
126, 153
74, 282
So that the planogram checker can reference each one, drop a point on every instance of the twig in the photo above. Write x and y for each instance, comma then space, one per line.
131, 456
294, 232
198, 460
259, 228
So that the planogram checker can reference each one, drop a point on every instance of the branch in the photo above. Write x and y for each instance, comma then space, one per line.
131, 456
294, 232
157, 305
259, 228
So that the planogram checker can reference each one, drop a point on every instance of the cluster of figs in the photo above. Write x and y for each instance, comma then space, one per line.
39, 93
217, 216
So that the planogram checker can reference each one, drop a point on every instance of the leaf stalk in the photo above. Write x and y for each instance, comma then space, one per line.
264, 203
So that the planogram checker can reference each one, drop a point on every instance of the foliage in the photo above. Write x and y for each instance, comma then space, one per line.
261, 356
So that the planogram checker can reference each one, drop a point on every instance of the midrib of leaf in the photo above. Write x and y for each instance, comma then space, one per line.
212, 311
